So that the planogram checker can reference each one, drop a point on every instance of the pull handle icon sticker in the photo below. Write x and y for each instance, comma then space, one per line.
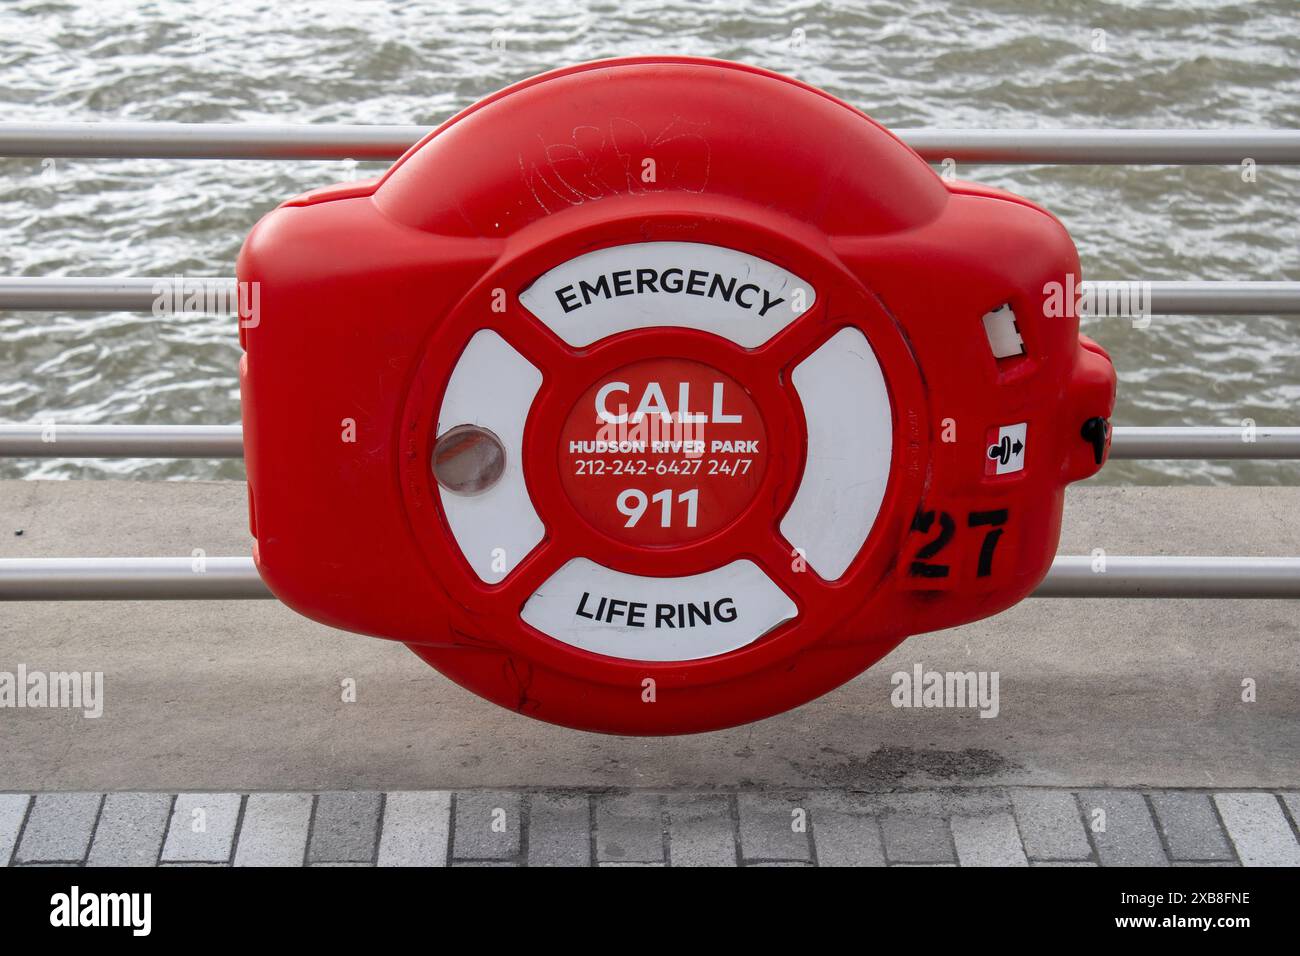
1006, 449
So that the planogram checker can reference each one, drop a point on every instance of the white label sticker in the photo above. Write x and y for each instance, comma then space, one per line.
1006, 452
657, 619
687, 284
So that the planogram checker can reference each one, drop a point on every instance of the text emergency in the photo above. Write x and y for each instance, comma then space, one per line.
698, 282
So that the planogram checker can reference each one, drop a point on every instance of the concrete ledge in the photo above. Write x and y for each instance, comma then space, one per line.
238, 696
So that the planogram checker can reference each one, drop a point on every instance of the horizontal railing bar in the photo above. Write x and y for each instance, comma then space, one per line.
121, 441
1258, 442
217, 294
232, 578
1110, 297
1106, 146
321, 141
208, 140
111, 293
1122, 576
130, 579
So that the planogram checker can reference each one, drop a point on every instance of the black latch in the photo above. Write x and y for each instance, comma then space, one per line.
1096, 431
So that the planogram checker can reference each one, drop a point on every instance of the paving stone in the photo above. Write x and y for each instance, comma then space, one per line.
487, 825
484, 863
911, 838
1190, 826
417, 829
274, 830
48, 866
847, 838
216, 813
1258, 829
345, 828
629, 828
1062, 863
131, 829
1130, 837
13, 810
559, 830
631, 863
340, 863
922, 803
989, 840
1050, 826
767, 827
911, 829
59, 827
700, 830
193, 863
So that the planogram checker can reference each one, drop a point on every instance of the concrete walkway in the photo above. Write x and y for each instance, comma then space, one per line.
239, 697
984, 827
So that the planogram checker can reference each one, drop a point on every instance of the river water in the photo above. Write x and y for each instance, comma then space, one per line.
1006, 63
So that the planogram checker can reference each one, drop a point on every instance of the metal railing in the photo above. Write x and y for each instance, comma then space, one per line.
1107, 298
227, 578
54, 440
386, 143
236, 577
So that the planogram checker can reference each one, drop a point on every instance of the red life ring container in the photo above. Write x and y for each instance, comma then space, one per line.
660, 395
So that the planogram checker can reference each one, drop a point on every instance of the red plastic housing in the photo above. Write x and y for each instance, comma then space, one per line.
371, 293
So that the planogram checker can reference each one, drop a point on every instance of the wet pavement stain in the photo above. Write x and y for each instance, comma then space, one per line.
893, 765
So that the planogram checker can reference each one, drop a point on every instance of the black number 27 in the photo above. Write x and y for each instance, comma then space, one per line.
923, 567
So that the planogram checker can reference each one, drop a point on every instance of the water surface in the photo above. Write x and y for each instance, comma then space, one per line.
1006, 63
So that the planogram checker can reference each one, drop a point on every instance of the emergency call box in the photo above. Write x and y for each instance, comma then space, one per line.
659, 395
